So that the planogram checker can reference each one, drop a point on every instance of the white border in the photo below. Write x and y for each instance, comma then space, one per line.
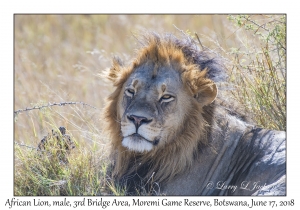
154, 6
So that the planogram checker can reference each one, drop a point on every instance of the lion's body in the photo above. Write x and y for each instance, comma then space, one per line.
240, 160
169, 134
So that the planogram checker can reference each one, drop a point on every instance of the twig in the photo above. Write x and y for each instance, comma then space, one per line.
199, 41
180, 30
151, 177
203, 48
52, 104
23, 145
259, 26
137, 39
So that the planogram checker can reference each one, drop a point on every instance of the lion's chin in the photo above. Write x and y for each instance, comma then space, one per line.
137, 143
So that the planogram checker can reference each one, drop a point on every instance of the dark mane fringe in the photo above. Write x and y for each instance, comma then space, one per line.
216, 70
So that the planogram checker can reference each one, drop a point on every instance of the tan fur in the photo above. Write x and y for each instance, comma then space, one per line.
175, 157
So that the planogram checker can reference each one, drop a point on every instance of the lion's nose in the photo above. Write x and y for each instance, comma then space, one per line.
138, 120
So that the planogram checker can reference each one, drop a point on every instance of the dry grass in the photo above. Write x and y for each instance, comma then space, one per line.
259, 69
58, 57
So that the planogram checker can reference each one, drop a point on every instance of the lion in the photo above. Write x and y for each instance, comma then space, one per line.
173, 134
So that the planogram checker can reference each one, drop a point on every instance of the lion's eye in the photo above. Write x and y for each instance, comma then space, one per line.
166, 98
129, 92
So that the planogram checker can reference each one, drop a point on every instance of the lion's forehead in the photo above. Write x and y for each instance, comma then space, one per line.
151, 79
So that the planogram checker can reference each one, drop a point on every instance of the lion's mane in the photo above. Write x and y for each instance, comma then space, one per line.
161, 165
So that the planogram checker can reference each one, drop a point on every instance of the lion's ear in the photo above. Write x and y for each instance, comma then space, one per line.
114, 71
207, 93
203, 89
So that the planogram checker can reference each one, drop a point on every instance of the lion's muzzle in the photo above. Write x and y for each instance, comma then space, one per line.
138, 133
138, 120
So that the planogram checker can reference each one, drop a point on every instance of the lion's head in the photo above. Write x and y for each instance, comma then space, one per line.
155, 114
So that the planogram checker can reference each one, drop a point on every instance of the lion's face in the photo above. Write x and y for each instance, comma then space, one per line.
151, 107
158, 99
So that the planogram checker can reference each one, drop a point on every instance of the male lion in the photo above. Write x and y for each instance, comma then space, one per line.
171, 134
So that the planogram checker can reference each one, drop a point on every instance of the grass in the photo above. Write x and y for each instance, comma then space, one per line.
82, 173
58, 58
259, 71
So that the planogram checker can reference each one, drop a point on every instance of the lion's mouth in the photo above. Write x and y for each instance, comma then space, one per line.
138, 137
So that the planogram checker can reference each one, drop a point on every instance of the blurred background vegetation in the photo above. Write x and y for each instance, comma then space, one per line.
58, 58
